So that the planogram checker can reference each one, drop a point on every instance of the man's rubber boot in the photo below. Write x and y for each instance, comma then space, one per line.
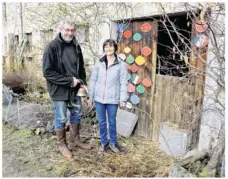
75, 139
61, 134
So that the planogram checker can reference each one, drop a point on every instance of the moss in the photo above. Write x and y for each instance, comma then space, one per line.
60, 171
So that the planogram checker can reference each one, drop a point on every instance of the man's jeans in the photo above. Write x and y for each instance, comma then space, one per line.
101, 112
61, 113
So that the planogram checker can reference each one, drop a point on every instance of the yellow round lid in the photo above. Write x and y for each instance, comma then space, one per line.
140, 60
127, 50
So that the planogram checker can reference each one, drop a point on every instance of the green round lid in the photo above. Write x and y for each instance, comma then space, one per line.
140, 89
137, 37
130, 59
128, 76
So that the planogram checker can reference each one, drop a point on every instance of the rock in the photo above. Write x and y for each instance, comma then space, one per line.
50, 127
29, 116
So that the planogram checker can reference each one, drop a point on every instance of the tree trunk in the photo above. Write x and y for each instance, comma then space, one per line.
217, 153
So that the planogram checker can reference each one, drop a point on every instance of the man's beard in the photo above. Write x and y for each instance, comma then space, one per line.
66, 39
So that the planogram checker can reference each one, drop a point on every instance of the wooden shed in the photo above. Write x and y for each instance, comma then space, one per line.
176, 94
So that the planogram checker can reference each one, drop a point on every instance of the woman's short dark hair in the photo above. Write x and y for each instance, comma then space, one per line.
111, 42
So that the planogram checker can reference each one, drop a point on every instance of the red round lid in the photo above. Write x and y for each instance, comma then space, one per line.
127, 34
130, 88
133, 68
145, 27
146, 51
201, 26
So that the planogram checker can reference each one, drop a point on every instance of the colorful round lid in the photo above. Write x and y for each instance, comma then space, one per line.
145, 27
130, 59
146, 51
137, 37
140, 89
147, 82
130, 88
133, 68
127, 34
127, 50
201, 40
135, 79
134, 99
122, 56
140, 60
128, 76
121, 27
201, 26
128, 105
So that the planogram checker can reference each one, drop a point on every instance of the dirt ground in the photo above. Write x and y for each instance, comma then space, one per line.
26, 154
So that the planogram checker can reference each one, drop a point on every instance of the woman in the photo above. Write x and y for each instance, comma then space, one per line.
108, 89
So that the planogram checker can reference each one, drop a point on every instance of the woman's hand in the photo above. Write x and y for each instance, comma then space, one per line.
123, 104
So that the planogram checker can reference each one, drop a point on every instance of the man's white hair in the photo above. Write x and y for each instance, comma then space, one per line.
67, 20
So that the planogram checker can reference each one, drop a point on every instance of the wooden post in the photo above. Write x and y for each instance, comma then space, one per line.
155, 123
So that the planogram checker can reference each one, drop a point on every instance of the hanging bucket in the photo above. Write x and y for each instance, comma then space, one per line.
134, 99
140, 60
128, 76
201, 26
133, 68
130, 88
127, 34
135, 79
128, 105
147, 82
130, 59
127, 50
137, 37
140, 89
201, 40
146, 51
145, 27
122, 56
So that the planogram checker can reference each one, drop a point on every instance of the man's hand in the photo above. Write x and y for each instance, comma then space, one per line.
89, 102
76, 81
85, 88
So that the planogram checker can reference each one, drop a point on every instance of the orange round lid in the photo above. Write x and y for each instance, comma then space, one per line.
127, 34
133, 68
122, 56
140, 60
147, 82
127, 50
201, 26
145, 27
130, 88
146, 51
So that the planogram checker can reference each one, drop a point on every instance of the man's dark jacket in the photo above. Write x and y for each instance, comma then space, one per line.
59, 80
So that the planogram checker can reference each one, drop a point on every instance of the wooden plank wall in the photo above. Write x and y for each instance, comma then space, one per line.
144, 111
177, 101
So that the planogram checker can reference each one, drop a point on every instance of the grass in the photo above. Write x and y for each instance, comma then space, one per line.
27, 155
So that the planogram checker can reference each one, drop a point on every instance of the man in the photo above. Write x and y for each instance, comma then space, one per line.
63, 68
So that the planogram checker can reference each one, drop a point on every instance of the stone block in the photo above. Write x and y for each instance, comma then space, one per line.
125, 122
173, 141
